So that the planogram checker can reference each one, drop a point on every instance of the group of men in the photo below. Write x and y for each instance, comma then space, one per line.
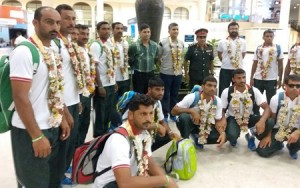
53, 98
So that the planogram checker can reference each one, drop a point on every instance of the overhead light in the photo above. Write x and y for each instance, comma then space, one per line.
298, 4
276, 2
295, 7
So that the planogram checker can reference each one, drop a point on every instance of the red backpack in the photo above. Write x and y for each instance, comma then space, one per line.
86, 157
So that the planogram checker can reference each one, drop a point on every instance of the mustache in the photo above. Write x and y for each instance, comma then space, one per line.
51, 32
147, 122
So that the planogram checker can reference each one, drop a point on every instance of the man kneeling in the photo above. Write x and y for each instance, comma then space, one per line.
130, 159
201, 115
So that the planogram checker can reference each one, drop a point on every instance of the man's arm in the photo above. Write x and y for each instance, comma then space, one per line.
243, 54
131, 55
261, 124
287, 69
220, 56
253, 70
280, 71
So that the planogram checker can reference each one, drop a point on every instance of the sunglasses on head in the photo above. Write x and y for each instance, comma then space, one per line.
294, 85
201, 37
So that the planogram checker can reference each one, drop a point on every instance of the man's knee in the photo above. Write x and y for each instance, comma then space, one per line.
184, 120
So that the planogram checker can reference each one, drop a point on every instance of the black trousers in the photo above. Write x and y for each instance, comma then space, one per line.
225, 79
140, 81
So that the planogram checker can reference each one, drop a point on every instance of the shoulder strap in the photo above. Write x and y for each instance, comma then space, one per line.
3, 58
280, 98
34, 52
196, 99
230, 91
101, 46
251, 91
57, 42
278, 50
215, 101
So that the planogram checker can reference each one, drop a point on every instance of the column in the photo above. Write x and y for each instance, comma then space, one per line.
100, 10
284, 14
202, 11
298, 16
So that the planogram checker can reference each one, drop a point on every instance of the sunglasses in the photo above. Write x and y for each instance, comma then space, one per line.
294, 85
201, 37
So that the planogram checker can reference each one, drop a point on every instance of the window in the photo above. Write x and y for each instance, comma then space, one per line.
108, 13
33, 5
181, 13
12, 3
167, 13
83, 13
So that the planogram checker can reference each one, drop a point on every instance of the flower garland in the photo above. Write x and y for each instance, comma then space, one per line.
235, 60
176, 56
153, 132
141, 154
207, 120
73, 51
91, 82
265, 66
294, 64
109, 62
55, 91
284, 131
242, 121
117, 57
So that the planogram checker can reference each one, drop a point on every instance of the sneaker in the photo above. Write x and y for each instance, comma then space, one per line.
195, 138
66, 181
294, 156
173, 118
234, 143
69, 171
251, 142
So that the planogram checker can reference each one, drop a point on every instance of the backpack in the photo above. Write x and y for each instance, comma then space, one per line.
278, 50
123, 101
6, 100
86, 157
181, 159
196, 90
280, 98
98, 42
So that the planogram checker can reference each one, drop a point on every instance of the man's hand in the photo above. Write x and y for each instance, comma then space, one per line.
42, 148
266, 141
251, 82
172, 183
69, 118
65, 129
101, 91
222, 139
80, 108
175, 136
294, 137
260, 127
195, 117
116, 87
187, 77
161, 130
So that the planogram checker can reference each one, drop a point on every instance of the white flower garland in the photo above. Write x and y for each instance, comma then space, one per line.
55, 92
285, 130
265, 66
109, 62
234, 59
294, 62
206, 121
117, 57
242, 121
176, 56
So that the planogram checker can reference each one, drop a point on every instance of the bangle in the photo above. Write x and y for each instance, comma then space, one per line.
38, 138
167, 181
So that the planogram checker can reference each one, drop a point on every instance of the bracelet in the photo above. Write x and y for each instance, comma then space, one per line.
167, 181
38, 138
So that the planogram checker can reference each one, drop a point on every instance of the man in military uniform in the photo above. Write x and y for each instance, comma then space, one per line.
200, 56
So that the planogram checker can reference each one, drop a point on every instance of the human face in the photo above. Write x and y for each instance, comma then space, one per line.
75, 35
174, 31
68, 19
145, 34
142, 118
48, 25
209, 88
83, 36
239, 80
291, 88
104, 31
201, 39
156, 93
268, 38
118, 31
233, 31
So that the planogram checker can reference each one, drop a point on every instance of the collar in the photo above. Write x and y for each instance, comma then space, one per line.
135, 131
264, 45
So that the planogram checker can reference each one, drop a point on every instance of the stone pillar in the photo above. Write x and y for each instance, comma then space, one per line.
202, 11
284, 14
298, 16
100, 11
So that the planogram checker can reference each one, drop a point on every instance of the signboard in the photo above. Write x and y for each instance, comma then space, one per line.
8, 12
189, 38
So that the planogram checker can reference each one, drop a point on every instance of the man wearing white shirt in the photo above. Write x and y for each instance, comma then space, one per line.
293, 64
267, 68
285, 110
105, 79
205, 114
19, 38
238, 101
231, 53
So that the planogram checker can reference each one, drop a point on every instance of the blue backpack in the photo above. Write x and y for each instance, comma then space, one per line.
196, 90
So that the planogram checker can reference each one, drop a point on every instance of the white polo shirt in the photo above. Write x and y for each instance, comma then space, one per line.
188, 100
297, 48
291, 104
259, 99
21, 69
116, 154
222, 47
100, 59
71, 91
273, 71
87, 60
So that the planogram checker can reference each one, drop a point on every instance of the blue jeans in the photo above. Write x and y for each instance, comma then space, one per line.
104, 107
172, 86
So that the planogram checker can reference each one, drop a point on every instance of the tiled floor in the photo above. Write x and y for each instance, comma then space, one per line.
226, 167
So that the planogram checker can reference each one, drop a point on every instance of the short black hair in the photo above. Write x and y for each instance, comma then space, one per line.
209, 78
233, 24
143, 26
81, 26
268, 31
172, 25
38, 12
113, 25
99, 24
62, 7
238, 71
156, 82
140, 99
293, 77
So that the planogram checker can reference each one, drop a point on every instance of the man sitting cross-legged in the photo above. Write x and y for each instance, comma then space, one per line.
200, 114
286, 111
238, 100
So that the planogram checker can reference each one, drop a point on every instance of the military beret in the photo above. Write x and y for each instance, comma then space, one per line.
201, 31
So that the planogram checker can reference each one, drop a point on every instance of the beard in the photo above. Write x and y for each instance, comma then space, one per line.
233, 34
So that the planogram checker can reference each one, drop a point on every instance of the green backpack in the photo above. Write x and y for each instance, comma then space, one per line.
6, 100
181, 159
